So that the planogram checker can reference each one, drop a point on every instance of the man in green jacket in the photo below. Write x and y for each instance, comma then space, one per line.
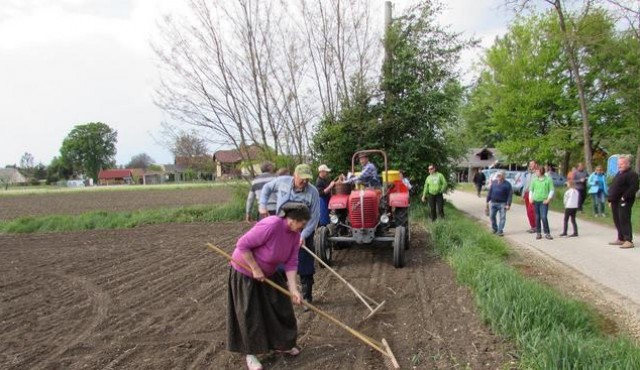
434, 186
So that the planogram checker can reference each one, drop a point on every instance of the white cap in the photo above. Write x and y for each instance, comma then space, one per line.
323, 167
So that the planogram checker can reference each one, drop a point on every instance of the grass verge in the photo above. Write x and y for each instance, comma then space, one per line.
16, 191
231, 211
551, 332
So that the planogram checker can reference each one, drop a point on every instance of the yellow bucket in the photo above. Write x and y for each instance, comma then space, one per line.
394, 175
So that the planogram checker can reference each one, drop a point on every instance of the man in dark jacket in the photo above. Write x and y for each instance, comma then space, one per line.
622, 195
256, 187
580, 176
479, 179
499, 201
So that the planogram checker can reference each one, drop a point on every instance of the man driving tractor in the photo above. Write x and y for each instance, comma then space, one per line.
369, 174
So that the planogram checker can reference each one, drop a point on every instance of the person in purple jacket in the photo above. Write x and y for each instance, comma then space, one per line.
259, 318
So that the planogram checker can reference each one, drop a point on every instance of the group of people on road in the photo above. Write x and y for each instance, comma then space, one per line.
538, 191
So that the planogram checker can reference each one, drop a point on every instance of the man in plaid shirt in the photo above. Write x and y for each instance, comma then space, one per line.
369, 175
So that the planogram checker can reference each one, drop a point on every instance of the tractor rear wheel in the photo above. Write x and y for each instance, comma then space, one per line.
322, 245
401, 217
399, 247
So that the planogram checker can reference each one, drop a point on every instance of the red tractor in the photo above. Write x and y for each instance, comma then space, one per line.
368, 215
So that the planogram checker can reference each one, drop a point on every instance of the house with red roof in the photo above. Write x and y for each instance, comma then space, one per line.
228, 162
115, 177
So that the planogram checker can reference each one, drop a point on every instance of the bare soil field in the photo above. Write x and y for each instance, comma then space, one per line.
155, 298
110, 201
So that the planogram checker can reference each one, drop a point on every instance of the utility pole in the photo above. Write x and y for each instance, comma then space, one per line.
387, 26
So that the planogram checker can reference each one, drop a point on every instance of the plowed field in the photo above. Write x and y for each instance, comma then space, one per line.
110, 201
155, 298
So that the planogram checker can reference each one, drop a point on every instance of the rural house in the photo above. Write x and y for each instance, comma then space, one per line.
11, 176
228, 162
115, 177
476, 160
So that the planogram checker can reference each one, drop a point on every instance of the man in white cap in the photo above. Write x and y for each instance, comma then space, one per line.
324, 186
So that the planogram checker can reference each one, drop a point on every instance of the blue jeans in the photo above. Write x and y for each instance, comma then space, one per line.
498, 227
598, 203
541, 211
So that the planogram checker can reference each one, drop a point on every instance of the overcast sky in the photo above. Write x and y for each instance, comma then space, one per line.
70, 62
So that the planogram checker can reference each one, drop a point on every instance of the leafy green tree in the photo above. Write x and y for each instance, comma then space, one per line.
89, 148
621, 133
58, 169
40, 172
525, 100
154, 167
415, 110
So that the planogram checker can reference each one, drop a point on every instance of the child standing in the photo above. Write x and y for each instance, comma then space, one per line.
571, 200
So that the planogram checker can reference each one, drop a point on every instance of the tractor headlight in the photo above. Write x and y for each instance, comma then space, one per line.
384, 219
334, 219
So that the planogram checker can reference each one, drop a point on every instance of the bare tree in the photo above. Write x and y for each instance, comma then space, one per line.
243, 71
142, 160
189, 145
571, 51
27, 165
342, 45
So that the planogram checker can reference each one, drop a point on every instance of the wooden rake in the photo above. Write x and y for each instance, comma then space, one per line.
367, 301
382, 346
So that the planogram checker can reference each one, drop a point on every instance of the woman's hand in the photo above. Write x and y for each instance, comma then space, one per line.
296, 298
546, 201
257, 273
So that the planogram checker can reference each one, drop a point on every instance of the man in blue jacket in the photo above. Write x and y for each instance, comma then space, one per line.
499, 201
296, 188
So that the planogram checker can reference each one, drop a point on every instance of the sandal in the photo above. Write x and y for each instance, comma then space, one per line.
291, 352
253, 363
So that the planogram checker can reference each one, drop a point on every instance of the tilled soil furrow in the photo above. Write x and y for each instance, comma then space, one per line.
164, 297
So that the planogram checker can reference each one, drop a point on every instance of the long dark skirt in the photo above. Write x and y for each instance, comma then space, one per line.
259, 318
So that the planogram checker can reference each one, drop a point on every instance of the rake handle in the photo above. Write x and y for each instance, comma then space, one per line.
369, 341
358, 294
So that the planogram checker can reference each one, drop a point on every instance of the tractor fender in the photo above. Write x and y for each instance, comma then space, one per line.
398, 199
339, 201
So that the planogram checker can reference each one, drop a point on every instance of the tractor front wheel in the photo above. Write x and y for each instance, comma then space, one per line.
401, 217
322, 245
399, 247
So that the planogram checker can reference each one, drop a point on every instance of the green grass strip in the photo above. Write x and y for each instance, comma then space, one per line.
551, 331
231, 211
18, 191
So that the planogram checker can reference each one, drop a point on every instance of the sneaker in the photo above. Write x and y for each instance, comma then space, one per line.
548, 236
253, 363
531, 231
616, 242
494, 231
562, 235
500, 233
627, 244
573, 235
538, 236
